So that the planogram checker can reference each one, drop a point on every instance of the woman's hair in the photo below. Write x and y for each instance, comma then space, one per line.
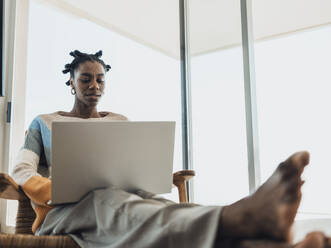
80, 58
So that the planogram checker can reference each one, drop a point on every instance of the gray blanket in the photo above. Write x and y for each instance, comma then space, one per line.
114, 218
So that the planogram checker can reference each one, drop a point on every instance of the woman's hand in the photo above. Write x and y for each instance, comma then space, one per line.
38, 189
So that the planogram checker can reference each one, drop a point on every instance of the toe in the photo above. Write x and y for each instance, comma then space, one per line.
327, 242
294, 165
313, 240
299, 159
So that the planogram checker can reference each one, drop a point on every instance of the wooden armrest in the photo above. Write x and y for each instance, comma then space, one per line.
179, 179
9, 189
183, 175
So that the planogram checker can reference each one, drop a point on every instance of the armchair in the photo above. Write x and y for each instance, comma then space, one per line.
24, 237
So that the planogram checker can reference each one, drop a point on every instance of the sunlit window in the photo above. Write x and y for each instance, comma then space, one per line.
143, 84
294, 98
219, 131
218, 107
292, 81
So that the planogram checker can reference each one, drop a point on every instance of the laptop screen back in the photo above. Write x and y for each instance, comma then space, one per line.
88, 155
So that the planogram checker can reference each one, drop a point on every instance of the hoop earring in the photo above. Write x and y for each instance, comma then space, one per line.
73, 91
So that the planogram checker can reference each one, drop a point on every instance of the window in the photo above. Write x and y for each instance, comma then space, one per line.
292, 82
143, 84
219, 134
294, 97
218, 105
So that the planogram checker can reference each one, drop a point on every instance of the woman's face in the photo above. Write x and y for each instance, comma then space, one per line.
89, 82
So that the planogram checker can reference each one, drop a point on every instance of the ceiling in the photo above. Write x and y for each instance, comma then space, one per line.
213, 24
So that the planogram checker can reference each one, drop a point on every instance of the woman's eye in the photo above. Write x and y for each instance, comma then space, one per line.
85, 80
100, 81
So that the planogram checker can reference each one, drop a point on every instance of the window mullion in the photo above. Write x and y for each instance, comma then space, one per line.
185, 92
250, 95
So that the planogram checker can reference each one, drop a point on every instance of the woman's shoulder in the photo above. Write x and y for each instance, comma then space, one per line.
39, 118
113, 116
49, 116
44, 120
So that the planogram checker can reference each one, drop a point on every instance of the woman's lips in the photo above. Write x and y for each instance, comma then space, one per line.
93, 96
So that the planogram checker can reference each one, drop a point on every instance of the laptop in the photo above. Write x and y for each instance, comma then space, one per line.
89, 155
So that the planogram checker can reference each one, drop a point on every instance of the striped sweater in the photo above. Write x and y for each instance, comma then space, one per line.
32, 167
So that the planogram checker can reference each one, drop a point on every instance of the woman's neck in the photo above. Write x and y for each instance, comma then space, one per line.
84, 111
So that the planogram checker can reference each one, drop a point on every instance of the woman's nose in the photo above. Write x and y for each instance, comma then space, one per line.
94, 84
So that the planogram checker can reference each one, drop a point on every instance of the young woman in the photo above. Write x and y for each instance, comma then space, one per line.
114, 218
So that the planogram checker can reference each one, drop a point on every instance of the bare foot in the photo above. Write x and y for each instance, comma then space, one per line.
312, 240
270, 211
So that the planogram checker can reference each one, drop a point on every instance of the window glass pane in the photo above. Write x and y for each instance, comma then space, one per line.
218, 103
294, 99
143, 84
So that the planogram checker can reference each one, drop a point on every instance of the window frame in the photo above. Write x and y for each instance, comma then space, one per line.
16, 28
2, 11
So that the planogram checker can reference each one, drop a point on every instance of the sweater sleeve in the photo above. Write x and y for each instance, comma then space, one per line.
25, 173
